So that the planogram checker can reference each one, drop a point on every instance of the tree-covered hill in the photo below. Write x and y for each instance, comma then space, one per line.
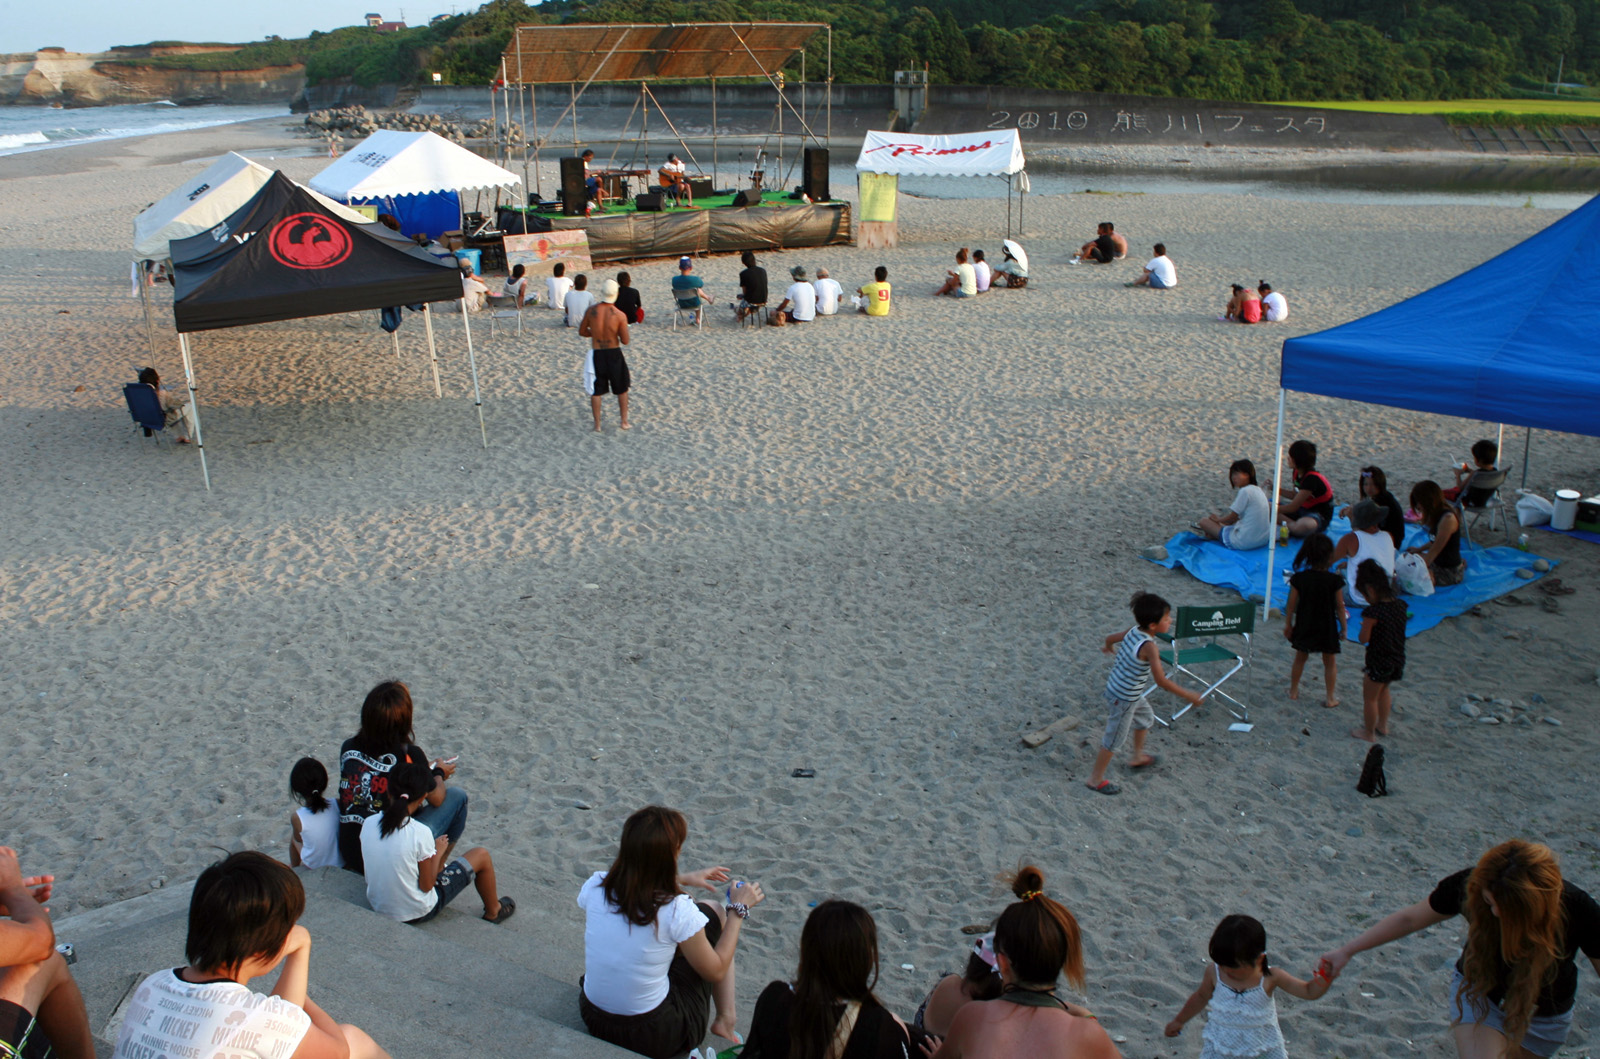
1225, 49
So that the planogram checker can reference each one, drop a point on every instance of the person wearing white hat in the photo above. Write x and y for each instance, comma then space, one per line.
605, 369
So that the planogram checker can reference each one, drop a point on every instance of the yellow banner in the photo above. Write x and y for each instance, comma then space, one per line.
877, 195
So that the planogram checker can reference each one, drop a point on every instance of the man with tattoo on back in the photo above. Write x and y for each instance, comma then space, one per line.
606, 328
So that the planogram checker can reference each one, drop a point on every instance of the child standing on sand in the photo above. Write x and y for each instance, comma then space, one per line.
1236, 994
314, 826
1315, 618
1383, 630
1137, 664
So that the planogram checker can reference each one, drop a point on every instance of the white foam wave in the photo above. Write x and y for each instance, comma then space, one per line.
22, 139
37, 140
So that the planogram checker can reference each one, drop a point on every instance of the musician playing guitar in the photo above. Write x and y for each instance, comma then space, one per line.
674, 178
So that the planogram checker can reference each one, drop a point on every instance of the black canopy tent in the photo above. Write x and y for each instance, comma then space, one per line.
283, 256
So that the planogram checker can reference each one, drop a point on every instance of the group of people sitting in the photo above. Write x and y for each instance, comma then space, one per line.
974, 275
803, 300
1246, 306
1377, 520
1108, 245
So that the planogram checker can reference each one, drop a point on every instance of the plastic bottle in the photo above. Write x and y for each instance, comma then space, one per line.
1522, 542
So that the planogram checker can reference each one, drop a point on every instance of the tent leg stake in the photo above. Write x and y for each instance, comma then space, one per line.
433, 353
472, 362
194, 407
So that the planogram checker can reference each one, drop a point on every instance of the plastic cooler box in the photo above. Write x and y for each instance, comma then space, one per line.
1588, 515
474, 256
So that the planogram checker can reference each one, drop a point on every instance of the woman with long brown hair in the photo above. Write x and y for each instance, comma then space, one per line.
1517, 978
1035, 941
1443, 553
652, 957
829, 1012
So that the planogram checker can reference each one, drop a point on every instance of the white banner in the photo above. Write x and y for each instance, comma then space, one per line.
995, 153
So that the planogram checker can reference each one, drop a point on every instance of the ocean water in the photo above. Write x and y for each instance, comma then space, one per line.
41, 128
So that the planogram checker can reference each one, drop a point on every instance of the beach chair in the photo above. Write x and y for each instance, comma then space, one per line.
503, 307
145, 408
696, 311
1492, 506
756, 315
1195, 641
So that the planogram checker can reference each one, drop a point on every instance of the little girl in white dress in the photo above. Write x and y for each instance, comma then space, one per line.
1236, 994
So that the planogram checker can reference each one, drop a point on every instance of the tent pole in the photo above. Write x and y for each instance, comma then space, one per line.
144, 302
472, 362
194, 407
1272, 504
829, 104
1527, 443
713, 132
533, 107
396, 336
433, 353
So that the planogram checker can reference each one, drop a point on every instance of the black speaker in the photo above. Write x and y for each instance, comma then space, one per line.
649, 202
572, 190
701, 189
747, 198
815, 181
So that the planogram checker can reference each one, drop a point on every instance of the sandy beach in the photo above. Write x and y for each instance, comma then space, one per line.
878, 548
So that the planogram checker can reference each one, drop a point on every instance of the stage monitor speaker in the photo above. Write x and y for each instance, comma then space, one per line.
747, 198
572, 189
815, 182
701, 189
649, 202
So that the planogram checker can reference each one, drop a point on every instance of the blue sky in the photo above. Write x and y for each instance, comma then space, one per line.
95, 25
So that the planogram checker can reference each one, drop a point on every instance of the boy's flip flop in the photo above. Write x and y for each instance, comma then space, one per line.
1554, 587
1105, 787
508, 908
1155, 759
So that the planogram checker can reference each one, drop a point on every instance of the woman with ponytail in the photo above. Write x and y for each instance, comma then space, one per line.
314, 827
1036, 940
1516, 981
407, 878
829, 1012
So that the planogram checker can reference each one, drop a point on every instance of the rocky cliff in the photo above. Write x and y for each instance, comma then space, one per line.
74, 79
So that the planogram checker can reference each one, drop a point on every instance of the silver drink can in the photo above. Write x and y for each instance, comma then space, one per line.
67, 952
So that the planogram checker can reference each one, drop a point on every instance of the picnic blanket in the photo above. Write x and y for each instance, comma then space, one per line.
1582, 535
1491, 572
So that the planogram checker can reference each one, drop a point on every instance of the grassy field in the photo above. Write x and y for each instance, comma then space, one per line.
1479, 111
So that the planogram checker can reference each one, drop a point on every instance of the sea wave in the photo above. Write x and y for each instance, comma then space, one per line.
120, 122
22, 139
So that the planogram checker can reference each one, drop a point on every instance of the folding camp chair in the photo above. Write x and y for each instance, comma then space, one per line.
1194, 642
1492, 505
698, 312
145, 407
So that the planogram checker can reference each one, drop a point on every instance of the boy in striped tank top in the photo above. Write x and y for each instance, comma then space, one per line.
1137, 664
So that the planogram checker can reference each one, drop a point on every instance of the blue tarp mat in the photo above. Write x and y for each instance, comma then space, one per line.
1582, 535
431, 213
1490, 572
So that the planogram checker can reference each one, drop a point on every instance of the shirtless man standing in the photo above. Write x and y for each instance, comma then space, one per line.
606, 328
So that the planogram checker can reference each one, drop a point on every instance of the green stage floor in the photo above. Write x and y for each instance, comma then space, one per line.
706, 202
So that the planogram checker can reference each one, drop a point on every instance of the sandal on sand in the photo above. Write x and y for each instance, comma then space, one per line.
1553, 587
508, 908
1106, 787
1155, 759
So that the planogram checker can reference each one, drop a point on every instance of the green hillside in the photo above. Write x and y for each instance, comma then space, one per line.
1312, 50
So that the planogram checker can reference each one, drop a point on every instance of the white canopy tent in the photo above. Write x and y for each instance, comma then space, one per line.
390, 163
992, 153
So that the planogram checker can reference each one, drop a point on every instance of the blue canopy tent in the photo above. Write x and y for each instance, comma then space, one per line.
1511, 341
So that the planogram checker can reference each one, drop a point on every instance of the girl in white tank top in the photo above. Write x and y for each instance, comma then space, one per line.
1236, 994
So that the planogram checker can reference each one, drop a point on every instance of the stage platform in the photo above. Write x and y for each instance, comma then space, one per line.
713, 226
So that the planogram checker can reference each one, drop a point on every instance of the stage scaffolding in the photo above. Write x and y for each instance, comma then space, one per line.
581, 55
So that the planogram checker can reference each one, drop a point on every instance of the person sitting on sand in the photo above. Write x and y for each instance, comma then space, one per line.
1035, 941
1443, 553
873, 298
1159, 272
799, 305
578, 300
1247, 524
242, 923
982, 272
1274, 308
828, 293
653, 957
829, 1011
385, 740
628, 300
40, 1006
1012, 271
1515, 983
175, 410
1244, 307
1307, 507
962, 281
980, 981
1107, 246
410, 876
1366, 540
556, 287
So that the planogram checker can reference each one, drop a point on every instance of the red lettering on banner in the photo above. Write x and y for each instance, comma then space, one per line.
916, 150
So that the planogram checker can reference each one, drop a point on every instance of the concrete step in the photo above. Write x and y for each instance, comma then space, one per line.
445, 986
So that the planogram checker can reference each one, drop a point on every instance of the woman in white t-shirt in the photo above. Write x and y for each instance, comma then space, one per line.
242, 917
407, 878
653, 958
1248, 522
314, 828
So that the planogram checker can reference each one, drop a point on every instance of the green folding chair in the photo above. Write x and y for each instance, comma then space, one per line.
1195, 641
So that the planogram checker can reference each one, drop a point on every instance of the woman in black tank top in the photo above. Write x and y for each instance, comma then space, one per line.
1443, 556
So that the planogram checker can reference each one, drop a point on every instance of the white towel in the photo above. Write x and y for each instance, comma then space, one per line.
588, 373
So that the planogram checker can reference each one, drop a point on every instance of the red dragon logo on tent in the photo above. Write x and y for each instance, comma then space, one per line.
308, 241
